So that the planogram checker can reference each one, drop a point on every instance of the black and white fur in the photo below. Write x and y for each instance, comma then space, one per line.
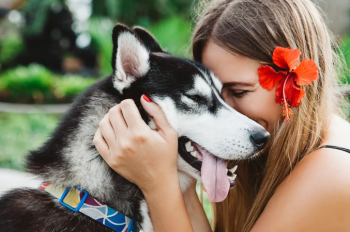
189, 95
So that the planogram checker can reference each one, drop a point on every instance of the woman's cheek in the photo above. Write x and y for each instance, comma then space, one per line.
260, 106
265, 109
253, 108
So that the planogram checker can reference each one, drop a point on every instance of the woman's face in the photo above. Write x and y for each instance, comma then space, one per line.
241, 87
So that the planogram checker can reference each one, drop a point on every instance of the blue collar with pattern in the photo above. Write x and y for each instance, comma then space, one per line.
79, 200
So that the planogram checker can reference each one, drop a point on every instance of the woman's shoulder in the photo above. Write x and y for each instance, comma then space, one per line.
331, 160
333, 156
328, 168
316, 195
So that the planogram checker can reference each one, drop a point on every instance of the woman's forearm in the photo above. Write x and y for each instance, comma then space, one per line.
198, 217
167, 208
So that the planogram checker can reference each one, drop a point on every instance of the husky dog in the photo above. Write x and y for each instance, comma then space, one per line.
209, 131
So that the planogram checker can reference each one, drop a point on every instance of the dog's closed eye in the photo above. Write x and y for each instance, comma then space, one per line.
197, 98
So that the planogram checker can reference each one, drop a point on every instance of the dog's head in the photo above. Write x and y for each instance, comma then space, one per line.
210, 132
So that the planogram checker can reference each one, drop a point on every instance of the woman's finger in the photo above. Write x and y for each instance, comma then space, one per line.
117, 121
132, 114
156, 112
107, 131
101, 145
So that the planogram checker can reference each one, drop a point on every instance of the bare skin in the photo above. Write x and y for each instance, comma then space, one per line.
315, 197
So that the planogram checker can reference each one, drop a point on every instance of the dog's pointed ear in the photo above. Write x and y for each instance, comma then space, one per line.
130, 58
148, 39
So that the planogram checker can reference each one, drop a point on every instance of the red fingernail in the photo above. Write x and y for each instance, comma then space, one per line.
146, 98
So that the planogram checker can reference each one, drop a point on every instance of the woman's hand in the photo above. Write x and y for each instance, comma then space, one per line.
143, 156
147, 158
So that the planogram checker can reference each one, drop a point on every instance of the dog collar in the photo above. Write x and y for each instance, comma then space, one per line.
79, 200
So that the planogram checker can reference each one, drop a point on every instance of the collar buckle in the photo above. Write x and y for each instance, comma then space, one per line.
82, 201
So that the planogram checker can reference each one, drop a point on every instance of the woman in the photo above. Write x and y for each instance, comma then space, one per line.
294, 186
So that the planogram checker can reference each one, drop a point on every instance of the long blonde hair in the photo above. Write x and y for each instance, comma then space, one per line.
253, 28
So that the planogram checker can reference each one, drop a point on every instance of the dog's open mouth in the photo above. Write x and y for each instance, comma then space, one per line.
216, 178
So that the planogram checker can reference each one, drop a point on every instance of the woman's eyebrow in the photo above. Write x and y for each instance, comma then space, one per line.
235, 83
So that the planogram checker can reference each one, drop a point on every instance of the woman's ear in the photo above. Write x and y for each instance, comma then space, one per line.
130, 57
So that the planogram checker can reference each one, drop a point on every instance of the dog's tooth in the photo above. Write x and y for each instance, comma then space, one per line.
194, 153
232, 178
188, 146
232, 170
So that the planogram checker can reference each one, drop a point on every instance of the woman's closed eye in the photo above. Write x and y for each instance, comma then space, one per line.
238, 93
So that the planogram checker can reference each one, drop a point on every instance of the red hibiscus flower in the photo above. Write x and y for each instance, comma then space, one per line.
290, 79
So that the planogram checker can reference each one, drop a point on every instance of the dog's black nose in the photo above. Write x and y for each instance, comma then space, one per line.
260, 138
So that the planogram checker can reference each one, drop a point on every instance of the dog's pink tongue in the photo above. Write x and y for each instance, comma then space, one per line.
214, 177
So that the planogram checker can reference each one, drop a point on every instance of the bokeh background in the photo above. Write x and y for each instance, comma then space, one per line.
51, 50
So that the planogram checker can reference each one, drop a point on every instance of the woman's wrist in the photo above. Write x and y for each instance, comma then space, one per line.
190, 195
195, 210
161, 185
167, 207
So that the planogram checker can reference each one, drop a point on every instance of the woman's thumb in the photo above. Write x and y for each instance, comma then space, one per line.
156, 112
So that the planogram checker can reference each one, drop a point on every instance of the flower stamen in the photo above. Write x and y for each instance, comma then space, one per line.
285, 112
285, 103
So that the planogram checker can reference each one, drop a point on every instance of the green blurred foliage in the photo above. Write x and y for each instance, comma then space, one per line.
169, 20
70, 86
20, 133
143, 13
27, 80
36, 12
38, 84
10, 46
345, 49
173, 34
100, 30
